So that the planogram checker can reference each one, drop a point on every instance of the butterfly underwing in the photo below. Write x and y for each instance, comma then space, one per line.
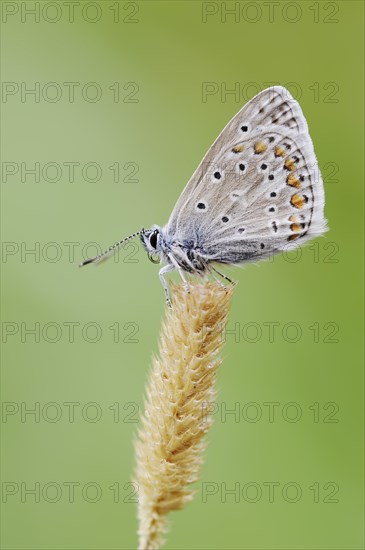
257, 189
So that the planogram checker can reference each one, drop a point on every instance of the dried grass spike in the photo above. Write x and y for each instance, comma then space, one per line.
170, 442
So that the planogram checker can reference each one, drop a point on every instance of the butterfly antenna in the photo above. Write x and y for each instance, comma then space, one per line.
111, 249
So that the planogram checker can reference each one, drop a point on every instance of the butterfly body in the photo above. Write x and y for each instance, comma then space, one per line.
257, 189
195, 256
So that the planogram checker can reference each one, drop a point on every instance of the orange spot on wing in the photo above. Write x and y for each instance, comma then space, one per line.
279, 151
289, 164
297, 201
295, 227
260, 147
238, 149
293, 237
293, 181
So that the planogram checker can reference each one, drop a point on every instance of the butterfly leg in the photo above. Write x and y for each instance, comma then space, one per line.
162, 273
222, 275
181, 272
216, 278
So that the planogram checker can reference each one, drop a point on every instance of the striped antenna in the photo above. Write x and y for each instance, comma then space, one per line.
111, 249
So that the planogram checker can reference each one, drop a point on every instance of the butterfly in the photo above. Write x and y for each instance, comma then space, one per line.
257, 189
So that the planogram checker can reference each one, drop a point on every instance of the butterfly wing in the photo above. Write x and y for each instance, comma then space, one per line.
257, 188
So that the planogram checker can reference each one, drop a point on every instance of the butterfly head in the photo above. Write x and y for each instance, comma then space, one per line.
152, 242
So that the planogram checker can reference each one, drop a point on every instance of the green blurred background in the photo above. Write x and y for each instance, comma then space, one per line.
144, 125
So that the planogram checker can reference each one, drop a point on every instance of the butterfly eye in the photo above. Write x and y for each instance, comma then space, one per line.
153, 239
